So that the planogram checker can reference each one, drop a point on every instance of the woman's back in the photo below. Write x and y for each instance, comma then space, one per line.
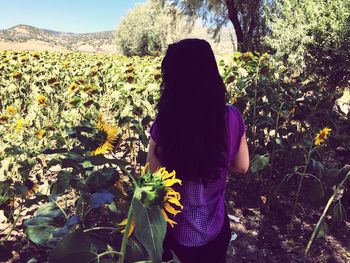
203, 206
196, 134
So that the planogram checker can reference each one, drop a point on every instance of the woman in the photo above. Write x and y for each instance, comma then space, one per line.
200, 137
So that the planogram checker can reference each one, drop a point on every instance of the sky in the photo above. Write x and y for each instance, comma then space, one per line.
77, 16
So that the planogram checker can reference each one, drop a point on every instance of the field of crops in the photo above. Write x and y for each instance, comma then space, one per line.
73, 141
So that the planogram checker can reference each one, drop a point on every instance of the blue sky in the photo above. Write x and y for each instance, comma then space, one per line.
78, 16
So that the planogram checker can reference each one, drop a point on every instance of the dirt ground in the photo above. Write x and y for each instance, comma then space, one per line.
263, 235
269, 235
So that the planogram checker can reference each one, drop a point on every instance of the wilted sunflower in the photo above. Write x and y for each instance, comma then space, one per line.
41, 100
322, 135
11, 110
73, 87
36, 55
3, 118
17, 75
156, 189
106, 135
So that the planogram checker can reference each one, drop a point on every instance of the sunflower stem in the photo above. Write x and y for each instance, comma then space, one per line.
126, 234
101, 228
301, 179
314, 233
129, 175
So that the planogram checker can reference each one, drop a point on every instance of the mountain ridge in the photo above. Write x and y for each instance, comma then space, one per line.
46, 39
26, 37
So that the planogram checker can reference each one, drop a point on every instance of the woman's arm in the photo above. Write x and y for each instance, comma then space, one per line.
153, 161
241, 162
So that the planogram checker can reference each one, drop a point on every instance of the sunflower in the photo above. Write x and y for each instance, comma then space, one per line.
106, 135
155, 189
3, 118
322, 135
41, 100
35, 55
73, 87
19, 124
17, 75
12, 110
39, 134
171, 196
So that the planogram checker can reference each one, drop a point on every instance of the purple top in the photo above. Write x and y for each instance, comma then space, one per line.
204, 209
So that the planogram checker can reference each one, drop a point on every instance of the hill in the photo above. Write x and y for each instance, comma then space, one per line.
26, 37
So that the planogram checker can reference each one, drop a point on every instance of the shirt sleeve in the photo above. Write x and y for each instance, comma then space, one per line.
236, 129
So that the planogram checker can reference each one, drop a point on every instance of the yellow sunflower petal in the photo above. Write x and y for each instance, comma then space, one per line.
132, 225
172, 181
171, 209
168, 175
124, 222
144, 169
175, 202
167, 219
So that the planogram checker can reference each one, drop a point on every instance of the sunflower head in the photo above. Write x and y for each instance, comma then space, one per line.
12, 110
322, 135
35, 55
17, 75
19, 124
73, 87
39, 134
106, 134
156, 190
41, 100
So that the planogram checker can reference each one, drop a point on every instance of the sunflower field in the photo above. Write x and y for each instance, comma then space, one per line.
74, 132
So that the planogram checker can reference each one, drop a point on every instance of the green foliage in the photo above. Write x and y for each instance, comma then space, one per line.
79, 191
311, 35
74, 247
150, 229
246, 16
148, 29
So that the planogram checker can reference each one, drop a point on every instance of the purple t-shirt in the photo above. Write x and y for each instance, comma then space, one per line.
204, 209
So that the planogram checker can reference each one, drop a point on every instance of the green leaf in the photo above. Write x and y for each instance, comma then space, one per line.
74, 247
322, 230
102, 178
14, 150
259, 162
101, 160
150, 229
39, 229
339, 213
134, 251
54, 151
48, 210
62, 184
318, 168
316, 192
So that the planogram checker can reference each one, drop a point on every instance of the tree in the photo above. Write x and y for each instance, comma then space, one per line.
246, 16
311, 38
148, 29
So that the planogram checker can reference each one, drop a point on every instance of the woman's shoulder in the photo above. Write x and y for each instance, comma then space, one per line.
235, 119
233, 111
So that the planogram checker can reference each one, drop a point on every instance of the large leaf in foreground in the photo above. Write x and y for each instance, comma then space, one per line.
74, 247
150, 229
40, 229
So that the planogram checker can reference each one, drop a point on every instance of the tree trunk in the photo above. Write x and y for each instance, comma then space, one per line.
233, 16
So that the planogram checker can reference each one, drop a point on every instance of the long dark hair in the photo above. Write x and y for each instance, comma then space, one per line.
191, 112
